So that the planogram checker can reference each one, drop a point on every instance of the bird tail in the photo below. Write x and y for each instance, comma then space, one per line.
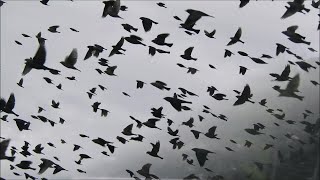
300, 98
241, 41
170, 44
306, 9
135, 29
167, 88
308, 43
197, 31
251, 101
15, 114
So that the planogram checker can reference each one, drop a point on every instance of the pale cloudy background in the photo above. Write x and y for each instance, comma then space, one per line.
261, 25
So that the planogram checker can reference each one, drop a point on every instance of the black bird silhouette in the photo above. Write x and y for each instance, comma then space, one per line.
116, 48
245, 96
58, 168
151, 123
177, 18
17, 42
133, 39
76, 147
26, 35
243, 70
253, 131
173, 133
140, 84
176, 103
161, 4
192, 70
227, 53
315, 4
291, 88
55, 104
169, 121
212, 133
72, 29
81, 171
304, 65
243, 3
44, 2
137, 138
280, 49
3, 148
38, 149
160, 40
187, 54
211, 90
196, 133
72, 78
314, 82
157, 112
122, 140
155, 150
71, 60
189, 123
284, 76
27, 176
25, 165
105, 153
147, 23
294, 7
201, 155
111, 8
101, 141
145, 172
4, 118
210, 35
46, 163
160, 85
248, 143
263, 102
37, 62
128, 130
266, 56
8, 106
219, 96
53, 29
1, 3
192, 19
22, 124
291, 32
128, 28
267, 146
110, 70
236, 38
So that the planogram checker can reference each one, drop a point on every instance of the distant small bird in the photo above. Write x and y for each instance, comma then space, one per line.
55, 104
71, 60
161, 4
210, 35
194, 16
294, 7
128, 28
201, 155
245, 96
44, 2
280, 49
20, 83
112, 8
140, 84
116, 48
187, 54
3, 148
8, 106
243, 3
160, 40
53, 29
236, 37
242, 70
284, 76
291, 88
72, 29
227, 53
147, 23
176, 102
155, 150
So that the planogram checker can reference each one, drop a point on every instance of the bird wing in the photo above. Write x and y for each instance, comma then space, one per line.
286, 71
290, 11
212, 130
243, 3
246, 91
72, 58
163, 36
146, 168
11, 102
294, 83
188, 51
147, 23
292, 29
107, 5
4, 145
238, 33
201, 156
40, 56
120, 43
26, 69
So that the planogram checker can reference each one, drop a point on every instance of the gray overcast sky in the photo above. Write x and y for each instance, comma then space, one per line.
261, 26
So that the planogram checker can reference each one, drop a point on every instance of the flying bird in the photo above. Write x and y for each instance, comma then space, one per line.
111, 8
147, 23
155, 150
8, 106
201, 155
245, 96
236, 38
187, 54
71, 60
291, 89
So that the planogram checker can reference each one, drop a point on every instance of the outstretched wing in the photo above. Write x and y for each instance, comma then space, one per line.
11, 102
294, 84
72, 58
